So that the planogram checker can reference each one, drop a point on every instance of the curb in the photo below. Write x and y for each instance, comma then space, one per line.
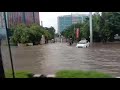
43, 76
117, 77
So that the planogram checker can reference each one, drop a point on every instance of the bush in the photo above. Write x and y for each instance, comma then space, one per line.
81, 74
25, 36
36, 33
16, 36
28, 34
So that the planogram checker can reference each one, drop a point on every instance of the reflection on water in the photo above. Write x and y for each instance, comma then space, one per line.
49, 58
6, 56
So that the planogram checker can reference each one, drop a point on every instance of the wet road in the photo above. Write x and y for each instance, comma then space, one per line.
49, 58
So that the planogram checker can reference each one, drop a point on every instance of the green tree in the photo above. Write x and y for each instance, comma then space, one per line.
96, 27
106, 31
85, 29
17, 32
114, 23
105, 26
36, 32
71, 31
51, 32
25, 34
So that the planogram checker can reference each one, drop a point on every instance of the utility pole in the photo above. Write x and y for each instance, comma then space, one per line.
42, 23
24, 20
91, 33
9, 45
72, 22
7, 18
33, 17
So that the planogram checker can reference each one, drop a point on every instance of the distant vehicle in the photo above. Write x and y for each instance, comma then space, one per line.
53, 41
83, 44
117, 37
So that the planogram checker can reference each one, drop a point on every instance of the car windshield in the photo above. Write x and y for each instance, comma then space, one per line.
31, 49
82, 42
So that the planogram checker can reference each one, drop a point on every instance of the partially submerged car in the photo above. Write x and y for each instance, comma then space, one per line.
83, 44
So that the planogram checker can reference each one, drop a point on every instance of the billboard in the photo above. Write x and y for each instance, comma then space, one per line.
77, 33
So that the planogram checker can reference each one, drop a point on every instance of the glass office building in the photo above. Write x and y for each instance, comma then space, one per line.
67, 20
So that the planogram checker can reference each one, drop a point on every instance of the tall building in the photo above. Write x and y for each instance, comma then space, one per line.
67, 20
14, 18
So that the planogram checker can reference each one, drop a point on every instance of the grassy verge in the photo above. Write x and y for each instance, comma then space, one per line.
18, 74
81, 74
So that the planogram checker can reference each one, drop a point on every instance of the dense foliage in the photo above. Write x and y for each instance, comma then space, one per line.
29, 34
51, 31
105, 26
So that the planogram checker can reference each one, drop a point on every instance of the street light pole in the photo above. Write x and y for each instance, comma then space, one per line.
42, 23
6, 18
24, 20
91, 36
33, 17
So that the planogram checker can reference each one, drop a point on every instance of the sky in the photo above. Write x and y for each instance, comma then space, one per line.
50, 18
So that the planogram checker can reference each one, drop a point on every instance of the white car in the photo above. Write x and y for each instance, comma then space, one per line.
83, 44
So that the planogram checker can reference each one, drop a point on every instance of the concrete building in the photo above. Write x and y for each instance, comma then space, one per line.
14, 18
67, 20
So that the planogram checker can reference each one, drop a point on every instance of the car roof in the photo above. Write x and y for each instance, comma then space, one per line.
83, 40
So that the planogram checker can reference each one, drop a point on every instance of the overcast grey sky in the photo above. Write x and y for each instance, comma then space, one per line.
50, 18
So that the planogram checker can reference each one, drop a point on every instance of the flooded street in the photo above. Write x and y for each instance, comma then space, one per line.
49, 58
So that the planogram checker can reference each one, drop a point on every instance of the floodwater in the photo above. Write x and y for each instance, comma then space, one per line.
52, 57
